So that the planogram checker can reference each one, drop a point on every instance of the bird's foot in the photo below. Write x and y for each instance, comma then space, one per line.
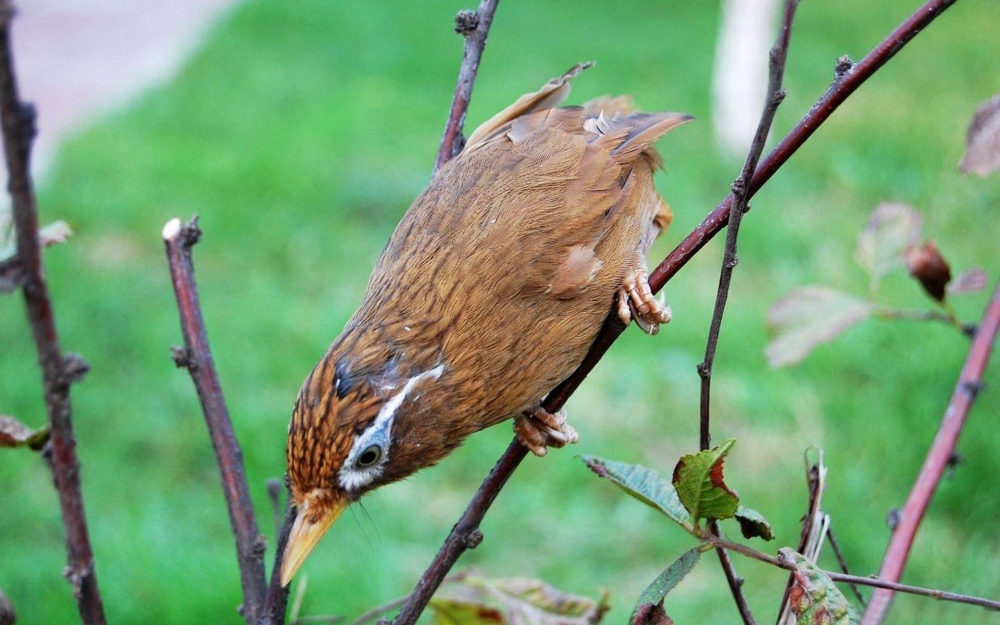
636, 301
538, 429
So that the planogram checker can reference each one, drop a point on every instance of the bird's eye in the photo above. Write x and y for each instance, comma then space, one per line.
369, 456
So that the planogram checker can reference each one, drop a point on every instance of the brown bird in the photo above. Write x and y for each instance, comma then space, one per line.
489, 293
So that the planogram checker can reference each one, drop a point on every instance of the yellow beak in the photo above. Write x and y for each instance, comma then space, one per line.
316, 514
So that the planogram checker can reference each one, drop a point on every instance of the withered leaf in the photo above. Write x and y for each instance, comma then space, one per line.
891, 230
13, 433
807, 317
982, 140
513, 601
928, 266
813, 597
969, 281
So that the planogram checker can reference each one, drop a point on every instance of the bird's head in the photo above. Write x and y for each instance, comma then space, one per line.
351, 432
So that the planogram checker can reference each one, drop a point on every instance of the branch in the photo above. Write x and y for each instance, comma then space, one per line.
475, 26
846, 83
58, 372
938, 458
844, 578
849, 77
739, 205
196, 356
277, 595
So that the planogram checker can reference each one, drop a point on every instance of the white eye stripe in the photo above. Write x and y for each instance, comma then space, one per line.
353, 477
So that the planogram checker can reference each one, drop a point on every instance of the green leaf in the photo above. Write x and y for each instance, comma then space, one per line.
649, 609
645, 485
481, 601
891, 229
13, 433
753, 524
700, 485
807, 317
813, 597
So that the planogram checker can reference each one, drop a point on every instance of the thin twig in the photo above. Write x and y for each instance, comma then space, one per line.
938, 458
843, 87
58, 373
475, 26
277, 595
843, 565
197, 358
773, 98
843, 578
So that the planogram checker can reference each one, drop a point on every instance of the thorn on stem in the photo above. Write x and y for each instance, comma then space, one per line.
844, 65
466, 22
473, 539
893, 518
973, 387
75, 367
191, 232
181, 357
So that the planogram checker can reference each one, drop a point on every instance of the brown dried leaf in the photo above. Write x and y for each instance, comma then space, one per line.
969, 281
514, 601
982, 140
807, 317
13, 433
891, 230
926, 264
813, 597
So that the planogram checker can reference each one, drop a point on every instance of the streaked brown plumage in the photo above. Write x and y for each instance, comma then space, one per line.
489, 293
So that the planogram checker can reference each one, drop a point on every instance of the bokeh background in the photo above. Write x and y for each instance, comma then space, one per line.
300, 132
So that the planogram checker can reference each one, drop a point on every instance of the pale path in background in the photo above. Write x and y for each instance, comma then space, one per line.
78, 59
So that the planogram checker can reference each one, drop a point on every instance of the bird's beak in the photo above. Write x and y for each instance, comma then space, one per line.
317, 512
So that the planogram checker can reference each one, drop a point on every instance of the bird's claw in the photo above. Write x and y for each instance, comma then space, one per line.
538, 429
636, 302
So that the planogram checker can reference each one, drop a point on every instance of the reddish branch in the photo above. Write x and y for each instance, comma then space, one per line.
58, 373
476, 27
848, 78
938, 459
196, 356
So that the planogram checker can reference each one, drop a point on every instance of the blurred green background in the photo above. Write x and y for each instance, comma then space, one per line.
301, 131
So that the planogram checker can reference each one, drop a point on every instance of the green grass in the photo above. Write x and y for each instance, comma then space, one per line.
301, 131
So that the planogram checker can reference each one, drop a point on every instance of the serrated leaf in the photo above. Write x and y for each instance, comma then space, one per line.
649, 609
753, 524
969, 281
515, 601
813, 597
808, 317
13, 433
982, 140
700, 484
891, 230
644, 484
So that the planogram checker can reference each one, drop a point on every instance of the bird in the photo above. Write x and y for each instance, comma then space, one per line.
489, 293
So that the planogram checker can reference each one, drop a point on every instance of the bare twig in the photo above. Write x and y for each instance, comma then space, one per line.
846, 83
475, 26
197, 358
277, 595
874, 582
739, 205
58, 372
938, 458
